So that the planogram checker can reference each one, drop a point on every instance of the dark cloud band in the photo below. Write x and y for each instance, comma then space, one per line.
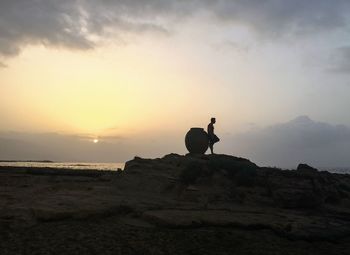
73, 23
300, 140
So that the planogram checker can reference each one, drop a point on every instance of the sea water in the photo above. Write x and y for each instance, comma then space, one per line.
68, 165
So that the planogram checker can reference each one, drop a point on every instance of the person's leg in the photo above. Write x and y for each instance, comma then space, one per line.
211, 146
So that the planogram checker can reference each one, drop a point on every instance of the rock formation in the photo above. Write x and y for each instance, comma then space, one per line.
179, 198
221, 190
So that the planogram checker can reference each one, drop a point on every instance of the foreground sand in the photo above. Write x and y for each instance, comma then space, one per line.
175, 205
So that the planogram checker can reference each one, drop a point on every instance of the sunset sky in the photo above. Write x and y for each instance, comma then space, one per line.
137, 74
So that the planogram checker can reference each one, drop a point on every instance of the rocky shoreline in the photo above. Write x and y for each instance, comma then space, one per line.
204, 204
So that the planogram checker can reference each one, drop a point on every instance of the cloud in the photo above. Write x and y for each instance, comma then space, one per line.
81, 24
58, 147
232, 45
72, 24
300, 140
340, 60
90, 137
80, 148
278, 17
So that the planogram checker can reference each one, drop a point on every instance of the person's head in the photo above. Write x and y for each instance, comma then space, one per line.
213, 120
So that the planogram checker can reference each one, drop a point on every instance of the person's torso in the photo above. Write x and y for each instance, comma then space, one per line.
210, 129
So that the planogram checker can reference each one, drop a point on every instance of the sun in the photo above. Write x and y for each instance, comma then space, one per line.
95, 140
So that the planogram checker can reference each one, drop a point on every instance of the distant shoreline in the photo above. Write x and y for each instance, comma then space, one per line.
31, 161
61, 165
55, 171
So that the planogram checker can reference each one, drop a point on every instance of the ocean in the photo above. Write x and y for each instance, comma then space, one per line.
68, 165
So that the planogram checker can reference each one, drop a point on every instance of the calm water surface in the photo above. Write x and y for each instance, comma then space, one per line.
68, 165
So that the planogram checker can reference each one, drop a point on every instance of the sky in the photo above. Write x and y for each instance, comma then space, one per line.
137, 74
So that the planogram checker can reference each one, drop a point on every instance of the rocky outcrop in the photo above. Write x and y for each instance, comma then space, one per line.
222, 190
181, 194
236, 180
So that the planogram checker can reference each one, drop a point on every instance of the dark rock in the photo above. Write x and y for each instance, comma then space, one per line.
306, 168
197, 194
297, 198
191, 173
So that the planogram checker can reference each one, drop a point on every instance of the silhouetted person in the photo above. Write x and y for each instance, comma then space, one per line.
212, 137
